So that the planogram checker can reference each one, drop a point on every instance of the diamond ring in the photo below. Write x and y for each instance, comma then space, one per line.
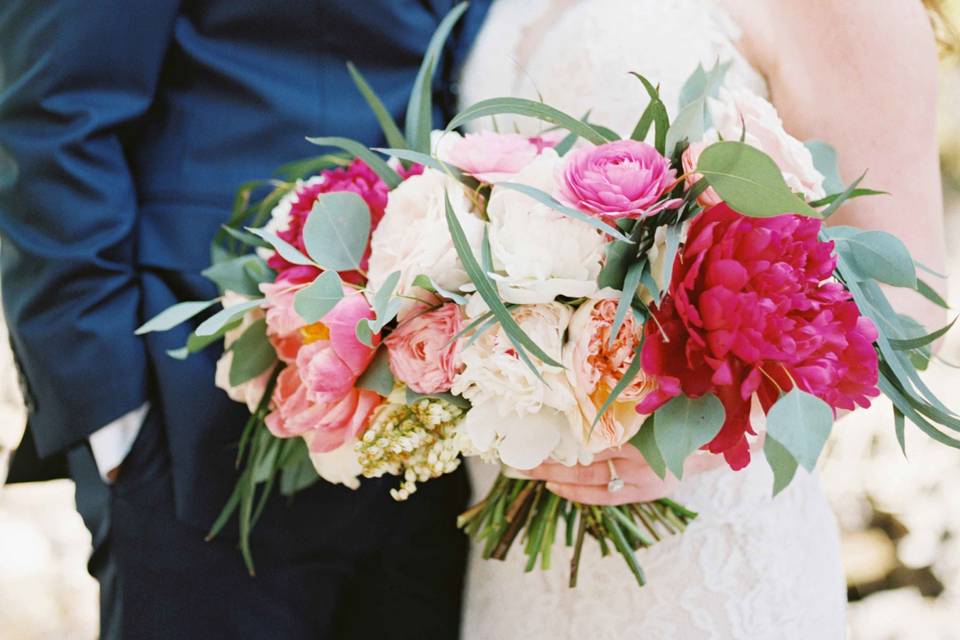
616, 482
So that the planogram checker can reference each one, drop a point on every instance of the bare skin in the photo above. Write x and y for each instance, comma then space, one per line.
861, 75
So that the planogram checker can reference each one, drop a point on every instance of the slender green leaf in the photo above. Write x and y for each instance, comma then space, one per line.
390, 129
419, 119
630, 286
224, 317
628, 377
670, 249
839, 201
286, 250
749, 181
685, 424
372, 160
546, 199
426, 283
428, 161
930, 294
898, 428
245, 237
655, 114
855, 193
529, 108
338, 230
172, 316
489, 293
315, 300
922, 341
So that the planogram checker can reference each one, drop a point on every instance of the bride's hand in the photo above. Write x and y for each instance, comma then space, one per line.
588, 483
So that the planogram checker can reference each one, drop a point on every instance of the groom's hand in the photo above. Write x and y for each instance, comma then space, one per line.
587, 484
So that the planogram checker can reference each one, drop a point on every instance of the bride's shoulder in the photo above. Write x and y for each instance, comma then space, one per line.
823, 32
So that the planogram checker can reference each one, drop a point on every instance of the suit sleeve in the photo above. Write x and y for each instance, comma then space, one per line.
75, 78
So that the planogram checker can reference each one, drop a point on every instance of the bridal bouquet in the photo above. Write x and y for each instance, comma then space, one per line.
549, 298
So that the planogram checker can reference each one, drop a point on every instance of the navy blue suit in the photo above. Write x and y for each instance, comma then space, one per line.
125, 127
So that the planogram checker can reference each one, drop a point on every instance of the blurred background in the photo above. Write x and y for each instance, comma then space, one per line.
899, 517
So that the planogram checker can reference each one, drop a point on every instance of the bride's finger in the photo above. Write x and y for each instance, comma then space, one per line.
590, 494
597, 473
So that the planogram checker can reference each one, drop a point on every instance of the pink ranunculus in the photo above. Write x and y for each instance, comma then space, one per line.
423, 350
492, 157
329, 366
690, 158
622, 179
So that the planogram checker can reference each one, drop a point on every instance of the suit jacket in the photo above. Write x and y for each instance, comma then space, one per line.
125, 127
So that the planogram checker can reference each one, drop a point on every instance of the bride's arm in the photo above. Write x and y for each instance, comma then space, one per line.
862, 75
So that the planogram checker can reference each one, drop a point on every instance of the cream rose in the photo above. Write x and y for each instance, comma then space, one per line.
736, 111
340, 466
413, 237
594, 366
539, 254
516, 415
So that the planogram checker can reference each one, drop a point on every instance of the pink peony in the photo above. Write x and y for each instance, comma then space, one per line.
423, 350
359, 179
751, 308
283, 322
622, 179
492, 157
595, 366
325, 426
332, 357
691, 156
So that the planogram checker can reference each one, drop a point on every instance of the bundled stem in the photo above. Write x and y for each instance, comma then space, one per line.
524, 508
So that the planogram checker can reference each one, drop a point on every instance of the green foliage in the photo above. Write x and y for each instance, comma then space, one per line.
685, 424
749, 181
172, 316
390, 177
315, 300
286, 250
217, 321
646, 442
800, 422
546, 199
781, 461
390, 129
377, 377
529, 108
337, 231
252, 353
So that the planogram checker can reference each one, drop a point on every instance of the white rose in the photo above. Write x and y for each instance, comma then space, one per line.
739, 110
540, 254
251, 391
340, 466
413, 237
516, 414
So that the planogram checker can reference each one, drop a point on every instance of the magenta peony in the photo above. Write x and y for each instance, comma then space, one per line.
622, 179
751, 309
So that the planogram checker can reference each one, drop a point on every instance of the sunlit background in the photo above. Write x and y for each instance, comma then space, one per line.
900, 517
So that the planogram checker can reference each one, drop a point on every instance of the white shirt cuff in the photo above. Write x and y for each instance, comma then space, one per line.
112, 443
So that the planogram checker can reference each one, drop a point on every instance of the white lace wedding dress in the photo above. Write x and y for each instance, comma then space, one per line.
750, 567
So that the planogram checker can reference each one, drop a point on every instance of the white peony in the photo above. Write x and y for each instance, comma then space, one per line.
737, 110
539, 254
340, 466
516, 414
413, 237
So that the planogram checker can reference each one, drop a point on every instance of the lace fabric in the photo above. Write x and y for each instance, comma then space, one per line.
751, 566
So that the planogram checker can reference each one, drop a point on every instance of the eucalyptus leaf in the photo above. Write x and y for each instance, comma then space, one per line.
337, 231
197, 343
315, 300
384, 171
245, 237
225, 316
172, 316
881, 256
685, 424
364, 332
749, 181
670, 249
252, 353
377, 377
781, 461
237, 274
385, 307
693, 118
801, 423
427, 283
825, 162
645, 441
286, 250
529, 108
